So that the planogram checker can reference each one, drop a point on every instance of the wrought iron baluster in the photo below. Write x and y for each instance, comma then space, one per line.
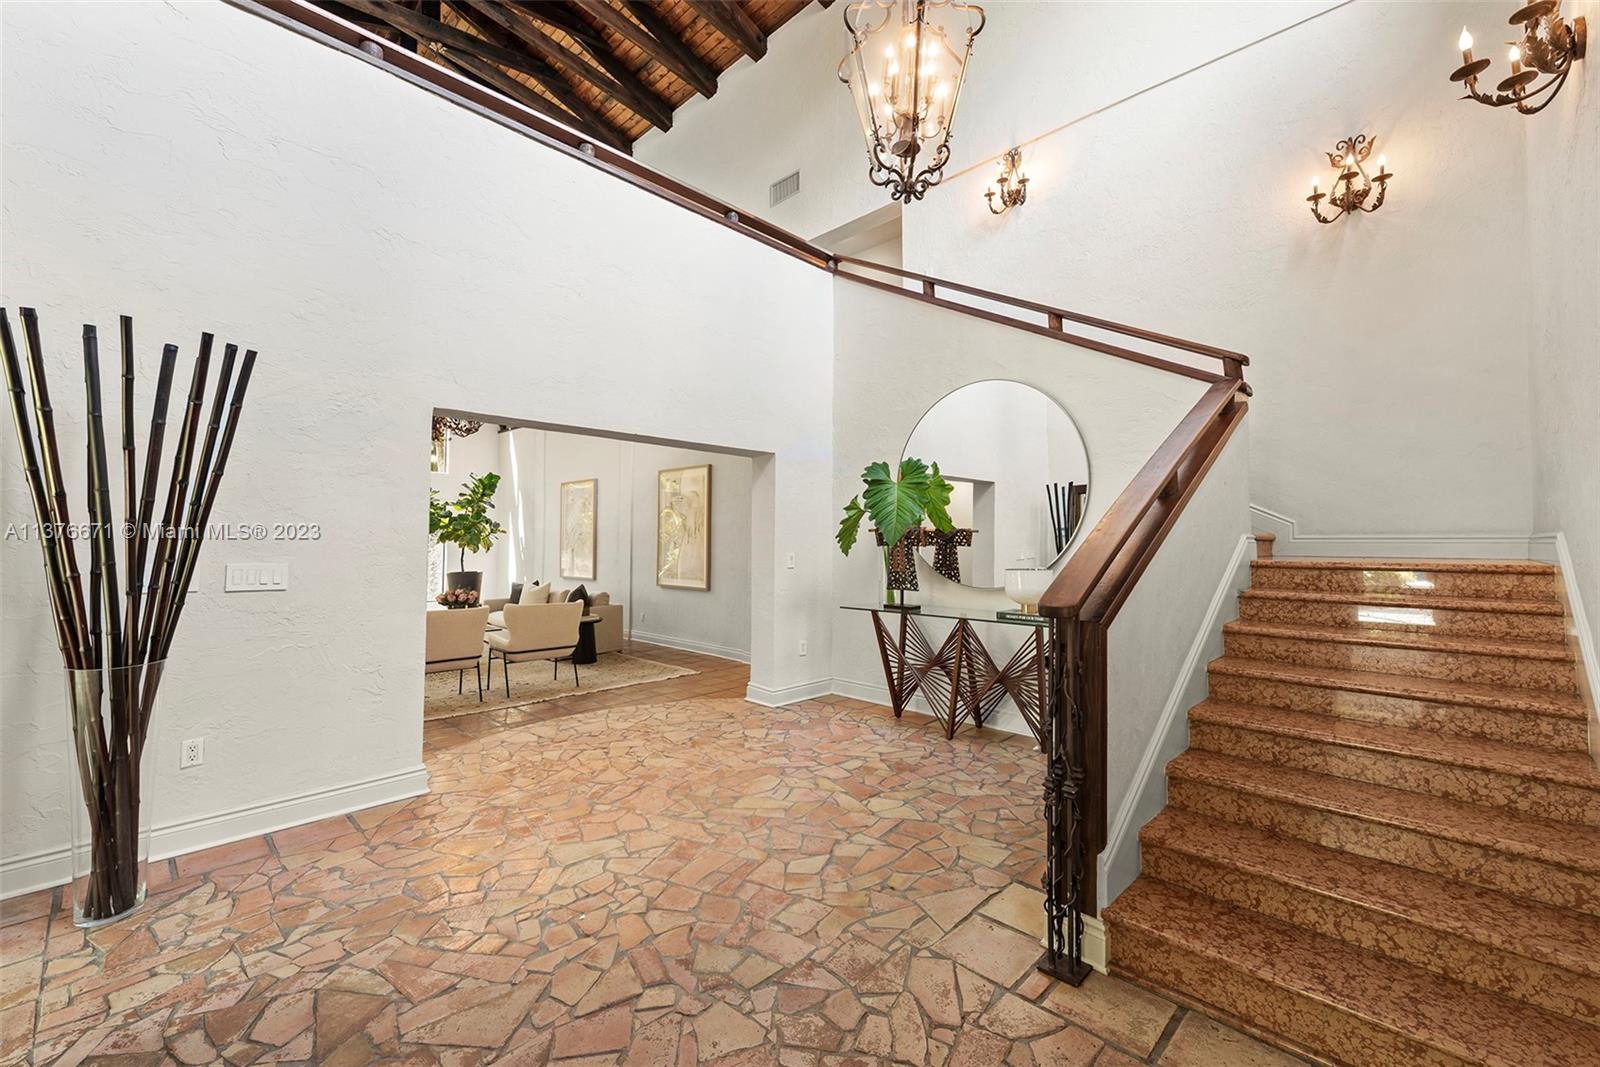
1064, 779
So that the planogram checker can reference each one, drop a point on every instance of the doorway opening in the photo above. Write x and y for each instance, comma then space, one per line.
651, 539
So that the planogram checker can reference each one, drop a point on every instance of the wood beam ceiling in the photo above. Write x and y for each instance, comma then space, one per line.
612, 69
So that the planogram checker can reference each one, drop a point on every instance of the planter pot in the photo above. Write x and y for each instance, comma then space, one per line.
472, 580
112, 717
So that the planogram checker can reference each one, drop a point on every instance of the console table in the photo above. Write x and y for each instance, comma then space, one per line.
959, 677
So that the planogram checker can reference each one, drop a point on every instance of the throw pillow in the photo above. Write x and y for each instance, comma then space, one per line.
536, 593
582, 594
516, 593
599, 600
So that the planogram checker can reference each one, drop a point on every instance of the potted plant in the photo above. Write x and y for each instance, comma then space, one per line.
465, 522
897, 506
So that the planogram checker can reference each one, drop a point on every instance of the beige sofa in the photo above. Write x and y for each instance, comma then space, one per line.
608, 632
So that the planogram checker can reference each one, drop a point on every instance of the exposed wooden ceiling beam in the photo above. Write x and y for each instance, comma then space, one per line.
496, 47
729, 19
501, 82
597, 65
650, 34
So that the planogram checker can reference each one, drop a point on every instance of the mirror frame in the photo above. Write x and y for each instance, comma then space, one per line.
1088, 463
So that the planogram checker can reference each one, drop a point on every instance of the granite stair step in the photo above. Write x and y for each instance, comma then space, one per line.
1514, 579
1533, 952
1524, 620
1563, 786
1321, 994
1482, 660
1546, 718
1553, 862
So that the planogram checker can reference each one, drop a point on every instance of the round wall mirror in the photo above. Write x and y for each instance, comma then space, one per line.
1021, 477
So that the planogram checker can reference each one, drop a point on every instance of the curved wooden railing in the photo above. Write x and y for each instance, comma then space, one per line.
1081, 603
1054, 322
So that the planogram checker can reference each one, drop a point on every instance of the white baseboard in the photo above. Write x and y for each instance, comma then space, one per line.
1119, 863
1094, 943
1552, 548
687, 644
1291, 541
51, 867
788, 694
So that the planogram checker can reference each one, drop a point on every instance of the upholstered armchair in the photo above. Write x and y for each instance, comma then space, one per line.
455, 642
536, 631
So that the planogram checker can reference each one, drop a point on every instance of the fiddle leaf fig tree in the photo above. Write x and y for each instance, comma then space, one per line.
465, 521
897, 504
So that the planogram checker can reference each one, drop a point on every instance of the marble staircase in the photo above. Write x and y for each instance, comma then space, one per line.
1383, 845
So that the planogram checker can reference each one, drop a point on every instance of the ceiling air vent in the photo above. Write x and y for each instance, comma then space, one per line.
784, 188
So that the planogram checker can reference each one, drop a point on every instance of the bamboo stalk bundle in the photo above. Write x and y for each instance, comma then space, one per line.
114, 636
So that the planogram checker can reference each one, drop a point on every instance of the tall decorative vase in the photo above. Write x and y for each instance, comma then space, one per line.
111, 714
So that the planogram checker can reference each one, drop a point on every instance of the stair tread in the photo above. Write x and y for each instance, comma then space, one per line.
1550, 702
1529, 761
1455, 1018
1457, 566
1554, 935
1356, 635
1413, 600
1571, 845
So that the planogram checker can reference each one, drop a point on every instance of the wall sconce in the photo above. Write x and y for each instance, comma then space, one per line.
1549, 45
1352, 187
1012, 182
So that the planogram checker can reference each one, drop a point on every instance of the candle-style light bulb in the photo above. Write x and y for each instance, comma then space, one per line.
1315, 181
1515, 54
1465, 41
1383, 164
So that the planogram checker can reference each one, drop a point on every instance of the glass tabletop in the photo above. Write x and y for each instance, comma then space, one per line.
942, 611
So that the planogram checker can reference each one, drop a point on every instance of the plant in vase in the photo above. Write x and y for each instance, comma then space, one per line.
465, 522
114, 636
897, 504
458, 598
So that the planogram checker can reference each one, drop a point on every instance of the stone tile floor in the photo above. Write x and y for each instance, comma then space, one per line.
645, 878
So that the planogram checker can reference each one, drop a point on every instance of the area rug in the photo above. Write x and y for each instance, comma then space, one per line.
531, 684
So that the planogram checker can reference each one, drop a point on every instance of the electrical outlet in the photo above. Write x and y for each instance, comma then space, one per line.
788, 561
803, 646
192, 754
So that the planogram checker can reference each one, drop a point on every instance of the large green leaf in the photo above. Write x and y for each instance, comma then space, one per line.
850, 525
897, 504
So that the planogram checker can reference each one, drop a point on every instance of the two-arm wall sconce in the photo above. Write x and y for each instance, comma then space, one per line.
1549, 45
1352, 188
1012, 182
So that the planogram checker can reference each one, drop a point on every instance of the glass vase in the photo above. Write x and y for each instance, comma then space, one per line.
112, 716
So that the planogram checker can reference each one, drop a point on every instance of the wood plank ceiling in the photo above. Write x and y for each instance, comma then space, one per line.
611, 68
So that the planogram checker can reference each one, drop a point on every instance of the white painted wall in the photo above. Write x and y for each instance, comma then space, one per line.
717, 620
895, 358
389, 255
1157, 649
1170, 148
1563, 237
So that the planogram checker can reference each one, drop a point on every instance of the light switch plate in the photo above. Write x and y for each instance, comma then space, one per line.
256, 578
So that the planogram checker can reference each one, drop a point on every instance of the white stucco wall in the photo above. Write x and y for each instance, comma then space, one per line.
1563, 237
180, 163
1170, 149
895, 358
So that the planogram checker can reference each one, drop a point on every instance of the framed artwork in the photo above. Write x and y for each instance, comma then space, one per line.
577, 528
683, 527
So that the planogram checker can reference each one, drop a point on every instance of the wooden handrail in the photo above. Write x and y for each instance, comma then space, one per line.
1101, 567
1081, 604
1053, 315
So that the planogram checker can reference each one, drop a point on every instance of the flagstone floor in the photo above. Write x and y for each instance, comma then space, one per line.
662, 876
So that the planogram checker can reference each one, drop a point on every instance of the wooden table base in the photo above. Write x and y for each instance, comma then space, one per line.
959, 678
